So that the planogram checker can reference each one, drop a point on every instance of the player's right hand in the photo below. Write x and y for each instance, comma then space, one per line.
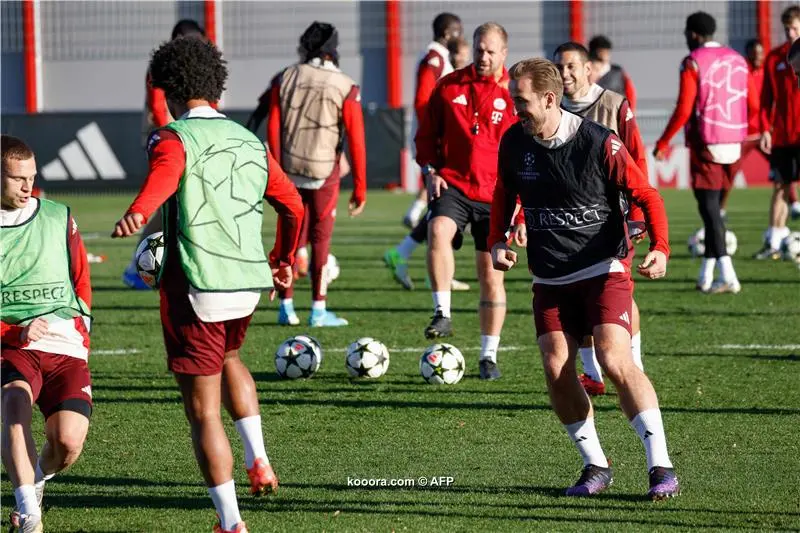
436, 185
503, 257
34, 331
128, 225
766, 142
282, 278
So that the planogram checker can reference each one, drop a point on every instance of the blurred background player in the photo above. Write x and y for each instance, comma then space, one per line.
607, 75
457, 143
313, 106
716, 126
754, 54
47, 296
558, 163
434, 65
780, 104
253, 124
793, 57
611, 109
156, 115
215, 266
460, 53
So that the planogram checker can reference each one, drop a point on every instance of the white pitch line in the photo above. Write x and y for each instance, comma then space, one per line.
470, 349
124, 351
760, 346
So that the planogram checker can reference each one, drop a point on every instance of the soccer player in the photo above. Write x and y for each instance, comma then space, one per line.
712, 104
457, 143
156, 115
612, 110
212, 174
434, 65
313, 105
607, 75
571, 175
45, 313
780, 138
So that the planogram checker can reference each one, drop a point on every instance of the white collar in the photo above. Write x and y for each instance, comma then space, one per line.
711, 44
326, 65
604, 69
203, 111
439, 49
567, 128
580, 103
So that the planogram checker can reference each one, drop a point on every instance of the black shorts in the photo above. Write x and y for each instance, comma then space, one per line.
454, 205
784, 164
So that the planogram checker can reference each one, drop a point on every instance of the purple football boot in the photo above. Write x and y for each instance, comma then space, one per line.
594, 480
663, 483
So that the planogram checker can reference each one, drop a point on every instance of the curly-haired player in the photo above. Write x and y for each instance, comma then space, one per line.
213, 173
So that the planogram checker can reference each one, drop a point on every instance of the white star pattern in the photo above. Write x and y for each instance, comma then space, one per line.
725, 90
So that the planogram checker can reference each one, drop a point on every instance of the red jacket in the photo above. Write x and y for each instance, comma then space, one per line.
780, 99
432, 67
446, 138
754, 87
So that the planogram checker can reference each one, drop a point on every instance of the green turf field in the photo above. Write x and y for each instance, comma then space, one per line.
731, 410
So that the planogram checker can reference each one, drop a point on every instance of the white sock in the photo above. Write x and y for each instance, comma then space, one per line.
26, 500
706, 271
302, 252
584, 435
249, 429
415, 210
224, 498
795, 206
722, 213
441, 302
650, 428
591, 366
726, 271
407, 247
318, 305
776, 235
489, 346
287, 301
636, 349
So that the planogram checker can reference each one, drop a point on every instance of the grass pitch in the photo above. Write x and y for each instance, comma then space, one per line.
723, 367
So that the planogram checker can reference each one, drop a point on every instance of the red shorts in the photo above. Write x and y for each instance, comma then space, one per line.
578, 307
56, 381
706, 174
195, 347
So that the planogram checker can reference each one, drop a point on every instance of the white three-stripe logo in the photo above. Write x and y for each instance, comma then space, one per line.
625, 318
460, 99
615, 146
72, 160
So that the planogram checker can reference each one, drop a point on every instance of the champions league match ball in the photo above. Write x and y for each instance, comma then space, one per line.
442, 364
790, 247
298, 357
367, 358
149, 256
697, 243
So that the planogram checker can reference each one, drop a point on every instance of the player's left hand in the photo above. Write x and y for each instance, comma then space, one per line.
354, 207
654, 265
282, 278
503, 257
521, 235
128, 225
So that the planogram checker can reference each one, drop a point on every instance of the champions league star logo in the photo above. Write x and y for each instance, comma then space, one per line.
528, 172
718, 80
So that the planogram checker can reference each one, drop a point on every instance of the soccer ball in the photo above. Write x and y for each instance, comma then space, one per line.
149, 257
298, 357
367, 358
442, 364
332, 269
790, 247
697, 243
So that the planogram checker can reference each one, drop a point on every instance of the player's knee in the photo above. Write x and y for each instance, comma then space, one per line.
440, 230
68, 445
16, 404
198, 412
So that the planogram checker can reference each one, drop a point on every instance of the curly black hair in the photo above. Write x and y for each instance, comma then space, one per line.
189, 68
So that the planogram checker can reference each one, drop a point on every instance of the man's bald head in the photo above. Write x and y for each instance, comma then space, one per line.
794, 59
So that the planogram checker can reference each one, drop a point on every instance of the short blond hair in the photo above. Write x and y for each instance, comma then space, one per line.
543, 74
488, 27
